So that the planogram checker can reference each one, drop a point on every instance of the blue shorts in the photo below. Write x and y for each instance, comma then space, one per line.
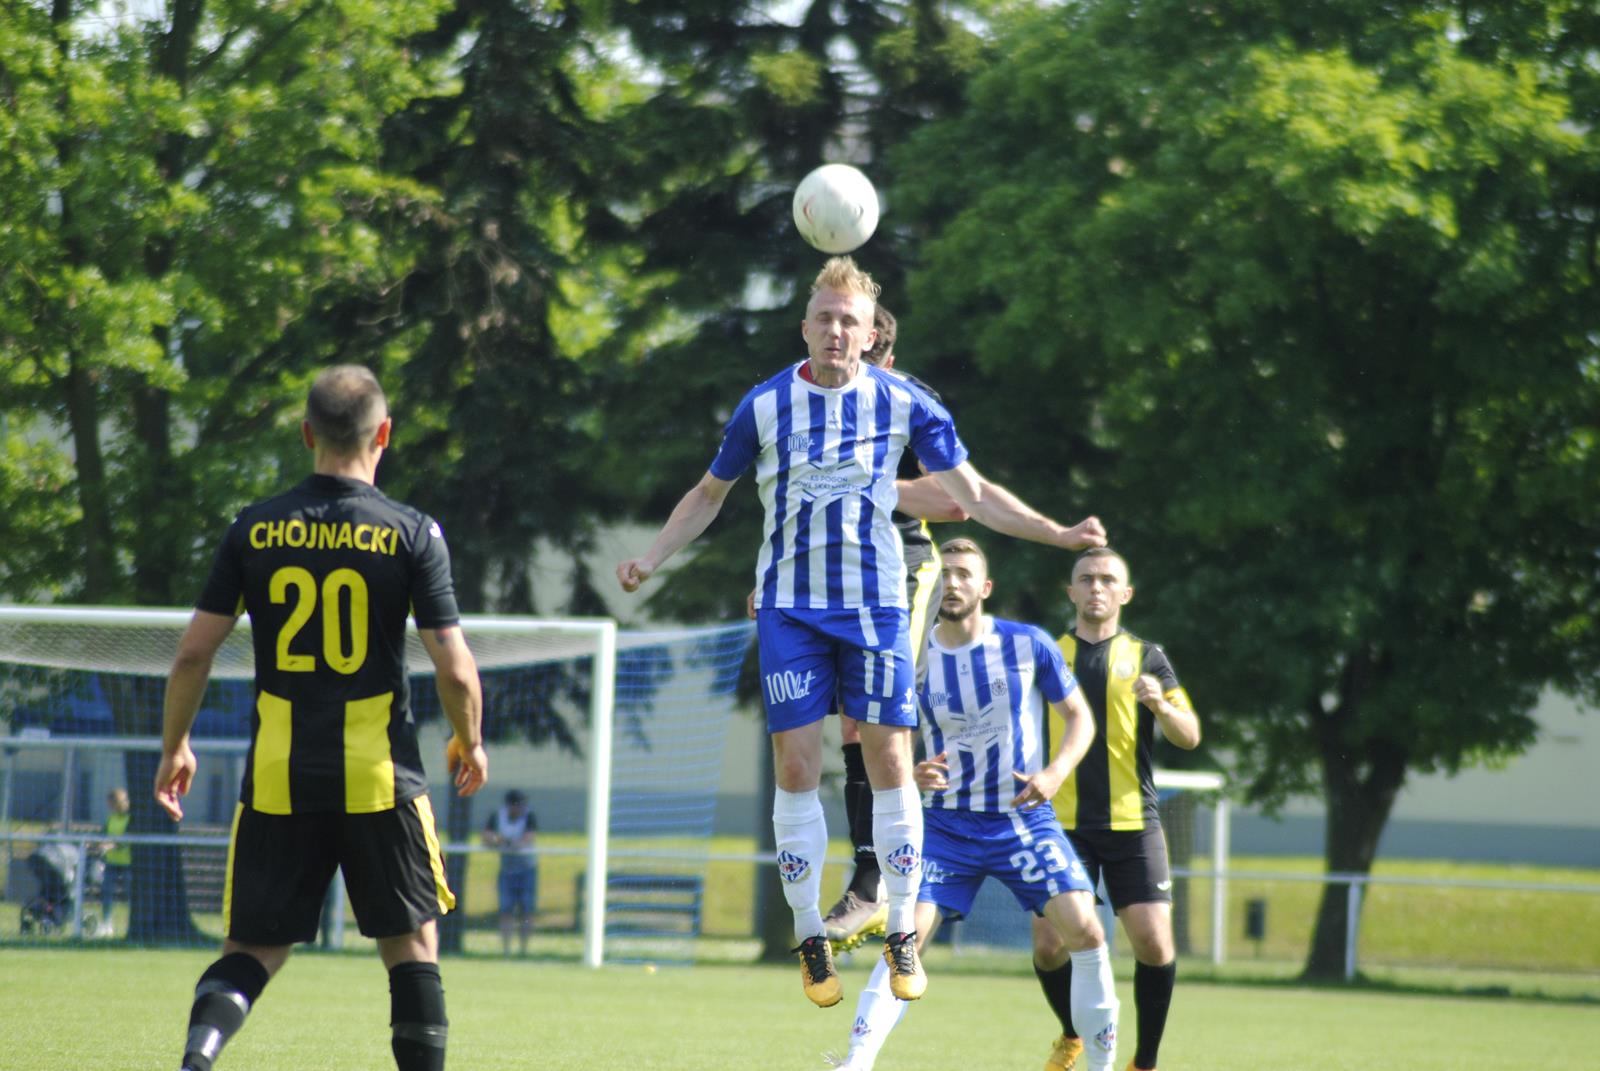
517, 891
1024, 849
861, 658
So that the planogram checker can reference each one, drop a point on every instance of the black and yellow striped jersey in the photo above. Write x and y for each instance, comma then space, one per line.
1113, 787
329, 572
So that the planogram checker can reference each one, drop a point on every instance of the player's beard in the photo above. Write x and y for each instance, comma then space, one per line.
960, 612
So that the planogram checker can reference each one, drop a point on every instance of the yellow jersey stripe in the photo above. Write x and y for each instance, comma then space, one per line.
927, 575
269, 773
1123, 663
1066, 799
368, 762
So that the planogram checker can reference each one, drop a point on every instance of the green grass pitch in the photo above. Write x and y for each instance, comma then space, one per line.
94, 1008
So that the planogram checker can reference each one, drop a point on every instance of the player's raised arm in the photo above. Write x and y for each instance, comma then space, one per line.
461, 695
925, 499
992, 506
1076, 737
186, 684
692, 515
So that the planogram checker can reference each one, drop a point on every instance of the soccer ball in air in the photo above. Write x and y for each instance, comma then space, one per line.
835, 208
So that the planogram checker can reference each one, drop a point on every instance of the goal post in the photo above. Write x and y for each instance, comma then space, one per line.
80, 691
615, 739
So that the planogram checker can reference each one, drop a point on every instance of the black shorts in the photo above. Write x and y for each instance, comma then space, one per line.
280, 865
1133, 862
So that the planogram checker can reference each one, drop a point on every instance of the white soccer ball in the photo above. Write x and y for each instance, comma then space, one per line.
836, 208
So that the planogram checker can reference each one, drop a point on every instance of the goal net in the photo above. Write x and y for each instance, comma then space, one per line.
615, 741
1194, 820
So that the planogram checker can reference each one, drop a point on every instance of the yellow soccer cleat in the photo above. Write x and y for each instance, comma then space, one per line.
817, 976
852, 920
1064, 1054
906, 978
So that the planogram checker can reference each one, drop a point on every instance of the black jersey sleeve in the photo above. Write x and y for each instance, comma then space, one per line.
225, 586
1158, 666
433, 594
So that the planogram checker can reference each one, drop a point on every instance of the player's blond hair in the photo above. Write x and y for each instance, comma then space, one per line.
841, 274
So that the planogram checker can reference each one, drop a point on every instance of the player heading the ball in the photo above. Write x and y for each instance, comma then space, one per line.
825, 437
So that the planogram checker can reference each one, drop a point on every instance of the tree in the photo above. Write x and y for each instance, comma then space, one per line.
183, 191
1307, 295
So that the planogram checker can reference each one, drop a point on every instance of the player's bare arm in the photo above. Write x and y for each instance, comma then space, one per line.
692, 515
461, 695
994, 507
924, 498
1076, 737
186, 684
933, 775
1178, 723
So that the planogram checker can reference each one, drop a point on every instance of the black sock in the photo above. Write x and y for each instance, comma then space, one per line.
222, 999
1057, 986
858, 810
1152, 996
416, 1017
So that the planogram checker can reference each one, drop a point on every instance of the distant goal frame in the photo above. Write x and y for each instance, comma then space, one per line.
600, 635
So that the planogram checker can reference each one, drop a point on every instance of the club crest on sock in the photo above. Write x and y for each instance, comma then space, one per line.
792, 868
1106, 1040
904, 859
861, 1029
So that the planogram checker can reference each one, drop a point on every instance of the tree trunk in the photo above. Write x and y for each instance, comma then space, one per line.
1360, 796
158, 542
83, 413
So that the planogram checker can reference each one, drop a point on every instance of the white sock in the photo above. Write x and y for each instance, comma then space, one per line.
802, 836
1095, 1006
897, 837
878, 1012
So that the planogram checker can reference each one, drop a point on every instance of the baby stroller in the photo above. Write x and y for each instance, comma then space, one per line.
54, 866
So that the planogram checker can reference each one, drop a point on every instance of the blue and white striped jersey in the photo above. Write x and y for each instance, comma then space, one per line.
825, 469
983, 706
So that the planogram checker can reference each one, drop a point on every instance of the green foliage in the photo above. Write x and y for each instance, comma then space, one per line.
1305, 296
182, 192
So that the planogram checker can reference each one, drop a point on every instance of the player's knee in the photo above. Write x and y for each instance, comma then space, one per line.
1049, 950
416, 1016
1153, 947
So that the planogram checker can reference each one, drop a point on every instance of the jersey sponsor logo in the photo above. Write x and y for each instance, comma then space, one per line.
792, 868
904, 859
976, 731
1124, 669
799, 442
933, 873
320, 535
787, 684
